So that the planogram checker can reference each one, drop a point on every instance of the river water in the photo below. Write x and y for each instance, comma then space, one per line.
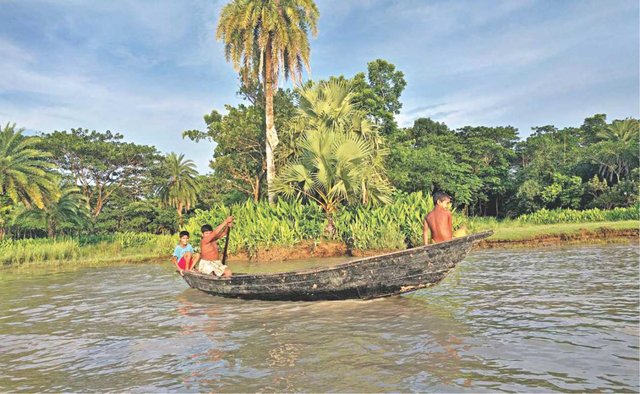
544, 320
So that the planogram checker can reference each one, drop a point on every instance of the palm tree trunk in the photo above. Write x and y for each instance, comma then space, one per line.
99, 205
180, 221
272, 136
330, 229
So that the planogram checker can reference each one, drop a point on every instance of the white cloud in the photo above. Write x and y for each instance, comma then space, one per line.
513, 104
131, 72
50, 102
527, 72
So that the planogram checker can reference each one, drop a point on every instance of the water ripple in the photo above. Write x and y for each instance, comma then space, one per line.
552, 320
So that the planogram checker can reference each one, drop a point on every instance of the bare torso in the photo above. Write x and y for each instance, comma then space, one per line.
440, 224
208, 245
209, 248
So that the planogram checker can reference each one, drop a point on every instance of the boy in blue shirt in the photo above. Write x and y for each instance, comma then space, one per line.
183, 256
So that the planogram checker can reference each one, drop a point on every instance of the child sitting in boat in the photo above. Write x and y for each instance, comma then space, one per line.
439, 220
210, 262
183, 256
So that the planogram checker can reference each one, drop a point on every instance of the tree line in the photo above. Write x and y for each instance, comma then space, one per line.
333, 143
88, 182
489, 171
339, 145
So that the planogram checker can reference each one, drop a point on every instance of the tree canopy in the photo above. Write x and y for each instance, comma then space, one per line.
26, 175
100, 163
339, 145
181, 189
265, 40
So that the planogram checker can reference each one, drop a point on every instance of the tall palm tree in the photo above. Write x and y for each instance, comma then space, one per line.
25, 174
70, 208
181, 190
334, 168
617, 151
265, 39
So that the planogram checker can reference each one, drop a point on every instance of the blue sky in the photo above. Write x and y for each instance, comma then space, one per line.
152, 68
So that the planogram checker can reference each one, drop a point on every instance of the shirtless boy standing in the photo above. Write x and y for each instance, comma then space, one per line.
210, 256
439, 221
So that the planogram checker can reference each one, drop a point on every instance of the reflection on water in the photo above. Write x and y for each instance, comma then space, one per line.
562, 319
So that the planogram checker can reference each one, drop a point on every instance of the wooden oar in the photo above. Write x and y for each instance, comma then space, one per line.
226, 241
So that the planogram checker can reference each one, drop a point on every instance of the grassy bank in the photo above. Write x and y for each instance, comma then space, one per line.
508, 234
520, 232
115, 248
260, 226
289, 230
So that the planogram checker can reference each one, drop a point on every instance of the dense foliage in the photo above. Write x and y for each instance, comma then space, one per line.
545, 216
101, 164
286, 223
345, 170
81, 182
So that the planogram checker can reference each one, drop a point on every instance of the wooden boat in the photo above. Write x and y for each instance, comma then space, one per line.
366, 278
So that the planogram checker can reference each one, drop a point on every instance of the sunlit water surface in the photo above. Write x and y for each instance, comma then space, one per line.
559, 319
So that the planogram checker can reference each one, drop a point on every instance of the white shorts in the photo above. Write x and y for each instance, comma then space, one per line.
215, 266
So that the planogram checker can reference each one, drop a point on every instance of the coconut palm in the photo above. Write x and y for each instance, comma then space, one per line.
8, 212
625, 131
334, 168
181, 190
25, 174
617, 151
266, 39
69, 208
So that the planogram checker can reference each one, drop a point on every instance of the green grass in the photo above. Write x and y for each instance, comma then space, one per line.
68, 251
512, 231
556, 216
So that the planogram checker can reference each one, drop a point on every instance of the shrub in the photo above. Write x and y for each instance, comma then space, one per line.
260, 225
545, 216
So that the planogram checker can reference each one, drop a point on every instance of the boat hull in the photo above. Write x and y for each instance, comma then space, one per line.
372, 277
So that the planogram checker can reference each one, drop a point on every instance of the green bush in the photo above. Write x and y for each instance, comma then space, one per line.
260, 225
545, 216
286, 223
392, 226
